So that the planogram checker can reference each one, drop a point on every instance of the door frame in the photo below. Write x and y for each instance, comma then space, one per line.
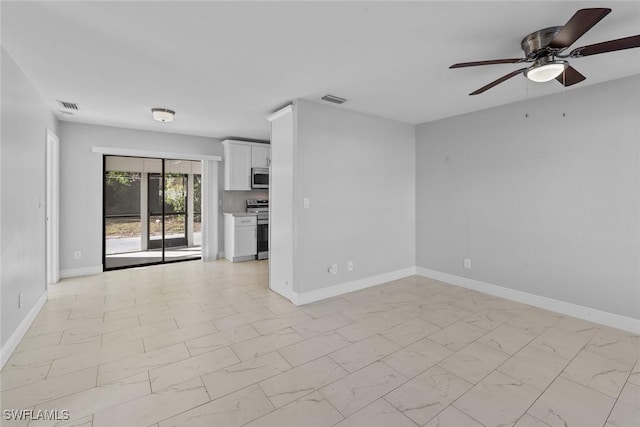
210, 190
52, 219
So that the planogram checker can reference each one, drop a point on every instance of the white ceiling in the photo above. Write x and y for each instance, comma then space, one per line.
223, 66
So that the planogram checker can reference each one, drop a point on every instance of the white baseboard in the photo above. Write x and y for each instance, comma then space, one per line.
10, 346
84, 271
585, 313
343, 288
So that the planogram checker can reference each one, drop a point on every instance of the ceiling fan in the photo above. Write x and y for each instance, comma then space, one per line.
544, 49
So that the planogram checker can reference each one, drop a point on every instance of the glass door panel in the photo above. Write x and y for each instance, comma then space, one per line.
122, 213
175, 207
197, 210
155, 213
176, 211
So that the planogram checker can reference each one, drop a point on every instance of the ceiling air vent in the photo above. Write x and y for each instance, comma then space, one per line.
334, 99
69, 105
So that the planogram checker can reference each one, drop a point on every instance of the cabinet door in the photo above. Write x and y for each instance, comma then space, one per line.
260, 157
246, 241
237, 165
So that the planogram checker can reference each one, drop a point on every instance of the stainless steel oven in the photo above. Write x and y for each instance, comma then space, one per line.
263, 237
259, 177
261, 209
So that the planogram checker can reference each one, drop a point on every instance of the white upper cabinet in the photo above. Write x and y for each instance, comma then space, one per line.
260, 156
237, 166
239, 158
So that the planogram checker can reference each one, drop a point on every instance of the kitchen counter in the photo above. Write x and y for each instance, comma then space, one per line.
239, 214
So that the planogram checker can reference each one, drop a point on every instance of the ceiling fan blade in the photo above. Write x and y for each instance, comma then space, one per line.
581, 22
570, 76
491, 62
500, 80
609, 46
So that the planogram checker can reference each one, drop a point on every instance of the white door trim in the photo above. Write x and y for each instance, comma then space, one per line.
53, 208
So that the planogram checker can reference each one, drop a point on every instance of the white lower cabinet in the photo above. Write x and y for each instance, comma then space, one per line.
240, 237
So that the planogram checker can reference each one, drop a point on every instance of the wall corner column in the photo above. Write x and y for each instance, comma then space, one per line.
210, 213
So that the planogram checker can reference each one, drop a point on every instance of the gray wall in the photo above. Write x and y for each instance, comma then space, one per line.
547, 205
22, 195
359, 173
81, 182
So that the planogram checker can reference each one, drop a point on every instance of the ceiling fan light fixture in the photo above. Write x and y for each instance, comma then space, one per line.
163, 114
545, 70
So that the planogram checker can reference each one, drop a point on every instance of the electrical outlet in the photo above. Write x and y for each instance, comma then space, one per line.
77, 254
467, 263
333, 269
350, 265
305, 203
20, 300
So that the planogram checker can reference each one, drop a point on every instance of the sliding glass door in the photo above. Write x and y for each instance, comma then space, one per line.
151, 211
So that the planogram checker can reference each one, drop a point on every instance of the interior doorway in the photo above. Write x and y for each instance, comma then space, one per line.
152, 211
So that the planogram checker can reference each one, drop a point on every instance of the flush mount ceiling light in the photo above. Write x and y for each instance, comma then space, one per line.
163, 114
545, 69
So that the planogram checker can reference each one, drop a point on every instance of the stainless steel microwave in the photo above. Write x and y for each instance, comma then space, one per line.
259, 177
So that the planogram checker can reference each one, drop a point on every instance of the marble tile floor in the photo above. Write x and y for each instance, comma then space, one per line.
207, 344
